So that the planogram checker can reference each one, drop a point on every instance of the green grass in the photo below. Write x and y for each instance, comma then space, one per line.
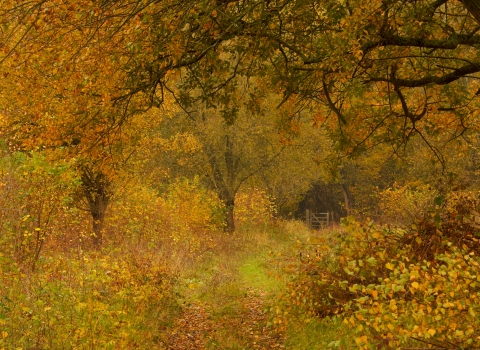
318, 334
255, 273
257, 267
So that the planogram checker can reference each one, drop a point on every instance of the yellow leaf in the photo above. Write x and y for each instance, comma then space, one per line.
359, 316
415, 285
389, 266
432, 332
4, 334
362, 340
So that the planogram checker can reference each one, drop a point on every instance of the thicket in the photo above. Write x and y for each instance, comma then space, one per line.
397, 287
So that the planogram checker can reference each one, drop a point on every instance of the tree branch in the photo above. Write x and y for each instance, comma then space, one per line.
431, 79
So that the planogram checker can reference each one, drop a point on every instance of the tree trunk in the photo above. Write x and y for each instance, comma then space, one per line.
230, 219
231, 162
96, 191
473, 6
224, 182
98, 218
348, 198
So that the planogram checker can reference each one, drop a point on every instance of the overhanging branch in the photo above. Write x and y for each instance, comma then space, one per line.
431, 79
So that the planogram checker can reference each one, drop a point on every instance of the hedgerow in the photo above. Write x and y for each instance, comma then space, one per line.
397, 287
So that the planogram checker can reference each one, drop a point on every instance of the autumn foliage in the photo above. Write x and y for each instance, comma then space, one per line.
147, 148
398, 287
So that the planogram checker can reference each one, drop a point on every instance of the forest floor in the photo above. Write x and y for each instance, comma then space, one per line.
136, 296
227, 300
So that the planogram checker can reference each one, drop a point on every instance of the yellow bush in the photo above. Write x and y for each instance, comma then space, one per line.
400, 205
398, 287
101, 302
35, 200
253, 206
186, 214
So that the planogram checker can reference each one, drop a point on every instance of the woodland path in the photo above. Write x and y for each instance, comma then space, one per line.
204, 324
195, 329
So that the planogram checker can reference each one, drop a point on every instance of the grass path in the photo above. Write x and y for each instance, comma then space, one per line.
225, 302
227, 298
197, 328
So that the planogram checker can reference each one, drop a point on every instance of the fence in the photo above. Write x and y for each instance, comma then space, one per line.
318, 220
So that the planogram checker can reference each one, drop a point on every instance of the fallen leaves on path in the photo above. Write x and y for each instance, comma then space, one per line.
196, 327
191, 329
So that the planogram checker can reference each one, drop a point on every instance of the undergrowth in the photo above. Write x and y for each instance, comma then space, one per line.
415, 286
100, 300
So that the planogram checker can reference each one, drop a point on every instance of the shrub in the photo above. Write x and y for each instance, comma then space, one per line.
186, 215
35, 197
107, 302
253, 207
396, 287
401, 205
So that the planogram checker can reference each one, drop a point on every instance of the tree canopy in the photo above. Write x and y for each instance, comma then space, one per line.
374, 71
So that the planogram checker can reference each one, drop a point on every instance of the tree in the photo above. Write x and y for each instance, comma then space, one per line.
384, 71
234, 145
240, 145
63, 72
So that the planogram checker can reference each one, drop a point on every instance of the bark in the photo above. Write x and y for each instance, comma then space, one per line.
473, 6
231, 162
226, 195
348, 198
230, 218
98, 218
430, 79
225, 182
96, 191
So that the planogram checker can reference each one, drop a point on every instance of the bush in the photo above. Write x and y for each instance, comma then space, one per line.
35, 200
398, 287
107, 302
401, 205
186, 215
253, 207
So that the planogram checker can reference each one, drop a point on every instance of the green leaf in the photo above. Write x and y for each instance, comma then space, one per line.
438, 200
